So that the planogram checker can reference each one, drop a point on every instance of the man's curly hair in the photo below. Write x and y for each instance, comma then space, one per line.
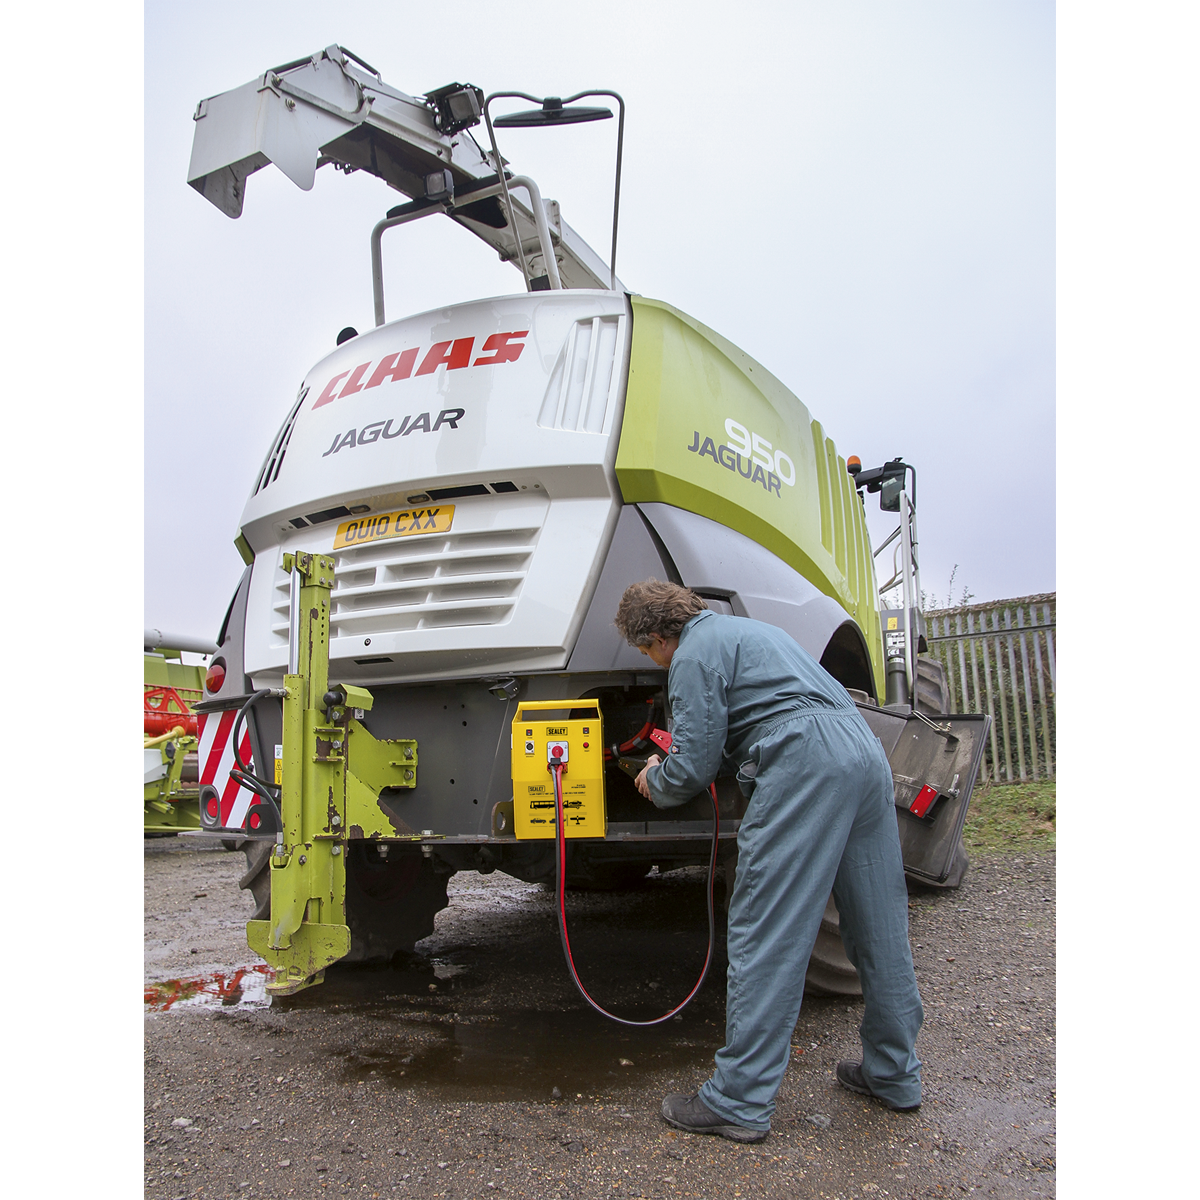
652, 607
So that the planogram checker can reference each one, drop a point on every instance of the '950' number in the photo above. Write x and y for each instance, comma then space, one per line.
758, 449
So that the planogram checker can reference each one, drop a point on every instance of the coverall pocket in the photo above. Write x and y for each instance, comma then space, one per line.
746, 774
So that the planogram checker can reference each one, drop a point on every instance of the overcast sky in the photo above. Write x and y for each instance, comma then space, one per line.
859, 195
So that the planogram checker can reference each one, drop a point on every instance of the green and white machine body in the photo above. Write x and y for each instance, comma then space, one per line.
447, 518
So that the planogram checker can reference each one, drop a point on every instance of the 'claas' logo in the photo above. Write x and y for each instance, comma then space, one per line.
453, 355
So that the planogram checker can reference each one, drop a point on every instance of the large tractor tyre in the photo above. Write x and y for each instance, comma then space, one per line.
932, 696
932, 700
257, 878
830, 972
390, 902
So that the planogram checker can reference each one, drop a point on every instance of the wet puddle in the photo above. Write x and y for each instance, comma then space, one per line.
524, 1055
496, 1018
244, 987
421, 1023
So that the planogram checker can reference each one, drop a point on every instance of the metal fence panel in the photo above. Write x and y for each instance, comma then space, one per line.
1008, 647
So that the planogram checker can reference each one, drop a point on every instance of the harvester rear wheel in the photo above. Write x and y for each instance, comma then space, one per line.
830, 972
257, 878
390, 902
931, 686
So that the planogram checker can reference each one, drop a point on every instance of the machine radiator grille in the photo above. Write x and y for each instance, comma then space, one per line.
579, 394
421, 583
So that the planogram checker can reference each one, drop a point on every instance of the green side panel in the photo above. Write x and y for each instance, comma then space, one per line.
709, 430
166, 672
179, 814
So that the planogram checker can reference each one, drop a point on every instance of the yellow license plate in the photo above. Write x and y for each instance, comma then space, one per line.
408, 522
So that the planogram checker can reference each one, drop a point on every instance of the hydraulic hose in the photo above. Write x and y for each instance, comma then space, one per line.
241, 773
556, 769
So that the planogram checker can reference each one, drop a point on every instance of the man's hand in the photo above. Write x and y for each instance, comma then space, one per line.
640, 782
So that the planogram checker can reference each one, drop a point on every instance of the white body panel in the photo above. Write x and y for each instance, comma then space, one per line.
505, 589
155, 768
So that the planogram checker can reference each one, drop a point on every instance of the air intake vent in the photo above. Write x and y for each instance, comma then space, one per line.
455, 493
579, 394
270, 469
409, 584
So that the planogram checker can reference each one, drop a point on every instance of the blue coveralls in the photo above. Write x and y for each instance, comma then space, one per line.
820, 817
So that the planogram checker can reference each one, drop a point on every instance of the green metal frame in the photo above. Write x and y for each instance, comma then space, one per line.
169, 806
333, 771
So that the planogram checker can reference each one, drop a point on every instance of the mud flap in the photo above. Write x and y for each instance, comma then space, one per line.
935, 762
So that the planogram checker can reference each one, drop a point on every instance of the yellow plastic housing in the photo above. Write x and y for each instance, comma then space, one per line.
535, 734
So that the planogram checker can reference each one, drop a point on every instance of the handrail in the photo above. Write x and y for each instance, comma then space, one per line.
545, 241
543, 230
377, 255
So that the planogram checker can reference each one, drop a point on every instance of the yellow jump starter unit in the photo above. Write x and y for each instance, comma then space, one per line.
577, 742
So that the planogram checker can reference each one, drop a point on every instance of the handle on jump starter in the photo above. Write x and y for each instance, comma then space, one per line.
541, 705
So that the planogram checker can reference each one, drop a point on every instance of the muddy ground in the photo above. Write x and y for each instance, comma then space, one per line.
476, 1070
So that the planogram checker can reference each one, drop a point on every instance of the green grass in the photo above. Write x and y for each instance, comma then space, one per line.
1011, 816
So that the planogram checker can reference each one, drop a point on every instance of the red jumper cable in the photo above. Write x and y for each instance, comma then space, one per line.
557, 766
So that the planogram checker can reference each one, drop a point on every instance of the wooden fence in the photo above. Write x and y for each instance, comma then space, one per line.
999, 659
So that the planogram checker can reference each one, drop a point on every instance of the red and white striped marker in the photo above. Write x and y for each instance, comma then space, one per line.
216, 761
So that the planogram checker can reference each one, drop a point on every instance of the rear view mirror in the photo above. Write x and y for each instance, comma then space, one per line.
889, 494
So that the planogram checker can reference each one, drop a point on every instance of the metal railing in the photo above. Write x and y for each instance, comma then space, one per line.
999, 659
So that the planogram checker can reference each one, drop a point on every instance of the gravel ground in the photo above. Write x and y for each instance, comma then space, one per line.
475, 1070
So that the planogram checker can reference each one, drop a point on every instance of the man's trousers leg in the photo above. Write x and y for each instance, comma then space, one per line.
872, 903
813, 772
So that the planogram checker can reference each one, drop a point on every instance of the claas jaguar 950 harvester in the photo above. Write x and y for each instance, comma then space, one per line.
439, 535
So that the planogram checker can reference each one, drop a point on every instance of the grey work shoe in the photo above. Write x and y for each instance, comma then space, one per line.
850, 1076
693, 1115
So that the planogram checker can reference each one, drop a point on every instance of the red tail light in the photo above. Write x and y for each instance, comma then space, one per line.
924, 801
215, 677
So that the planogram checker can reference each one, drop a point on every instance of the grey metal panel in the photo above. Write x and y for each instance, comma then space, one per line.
632, 556
713, 557
464, 740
